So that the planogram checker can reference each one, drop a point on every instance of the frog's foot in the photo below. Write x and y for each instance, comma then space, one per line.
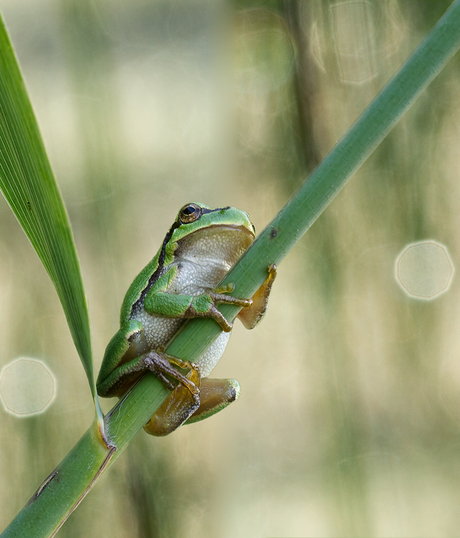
164, 366
205, 305
215, 395
250, 317
177, 407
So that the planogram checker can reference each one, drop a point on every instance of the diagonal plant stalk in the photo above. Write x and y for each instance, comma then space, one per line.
77, 473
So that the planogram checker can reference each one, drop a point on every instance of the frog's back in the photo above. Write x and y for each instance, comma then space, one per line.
139, 284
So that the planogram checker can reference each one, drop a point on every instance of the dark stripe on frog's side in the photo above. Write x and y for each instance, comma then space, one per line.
156, 273
161, 258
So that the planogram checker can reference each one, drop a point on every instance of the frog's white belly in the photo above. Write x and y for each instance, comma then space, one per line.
212, 355
192, 279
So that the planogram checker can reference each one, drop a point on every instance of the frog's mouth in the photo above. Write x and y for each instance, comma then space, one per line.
215, 244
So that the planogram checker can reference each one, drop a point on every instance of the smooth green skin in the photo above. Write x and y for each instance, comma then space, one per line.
118, 371
228, 216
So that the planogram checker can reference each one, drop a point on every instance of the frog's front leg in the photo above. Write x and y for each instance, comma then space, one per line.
215, 395
160, 302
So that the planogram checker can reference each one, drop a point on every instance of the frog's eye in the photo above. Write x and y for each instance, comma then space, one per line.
190, 213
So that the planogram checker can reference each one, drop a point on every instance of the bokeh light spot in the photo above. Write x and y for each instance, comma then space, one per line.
356, 39
424, 270
264, 51
27, 387
354, 36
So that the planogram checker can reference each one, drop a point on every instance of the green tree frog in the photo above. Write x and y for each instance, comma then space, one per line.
180, 283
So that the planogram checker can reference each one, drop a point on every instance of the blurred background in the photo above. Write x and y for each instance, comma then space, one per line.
349, 418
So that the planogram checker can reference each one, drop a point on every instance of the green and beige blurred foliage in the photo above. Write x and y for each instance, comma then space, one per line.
349, 418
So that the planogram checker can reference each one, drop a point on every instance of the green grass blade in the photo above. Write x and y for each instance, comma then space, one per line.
54, 501
28, 184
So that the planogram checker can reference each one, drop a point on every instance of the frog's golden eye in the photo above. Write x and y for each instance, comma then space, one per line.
190, 213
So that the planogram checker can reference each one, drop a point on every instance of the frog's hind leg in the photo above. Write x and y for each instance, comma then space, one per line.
164, 366
215, 395
177, 407
184, 399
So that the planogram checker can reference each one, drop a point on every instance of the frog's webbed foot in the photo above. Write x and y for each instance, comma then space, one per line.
205, 305
253, 309
251, 316
219, 298
184, 399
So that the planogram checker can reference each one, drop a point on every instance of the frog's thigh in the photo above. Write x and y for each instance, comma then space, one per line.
215, 395
175, 410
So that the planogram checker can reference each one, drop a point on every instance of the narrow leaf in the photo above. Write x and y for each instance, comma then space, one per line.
28, 184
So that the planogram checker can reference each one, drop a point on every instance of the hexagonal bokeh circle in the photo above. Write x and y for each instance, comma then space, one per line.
424, 270
27, 387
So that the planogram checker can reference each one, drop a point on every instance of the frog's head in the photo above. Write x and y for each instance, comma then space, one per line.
201, 232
